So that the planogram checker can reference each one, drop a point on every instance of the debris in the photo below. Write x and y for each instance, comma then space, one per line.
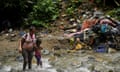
111, 50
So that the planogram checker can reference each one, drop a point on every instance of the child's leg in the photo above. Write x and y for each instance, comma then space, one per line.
40, 62
37, 59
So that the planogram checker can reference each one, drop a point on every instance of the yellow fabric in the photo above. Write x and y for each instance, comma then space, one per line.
78, 46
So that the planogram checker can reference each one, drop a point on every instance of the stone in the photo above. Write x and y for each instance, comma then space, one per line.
57, 54
60, 70
76, 64
91, 58
10, 30
111, 50
82, 69
6, 68
19, 58
45, 52
110, 71
12, 39
100, 68
91, 67
96, 71
1, 65
56, 47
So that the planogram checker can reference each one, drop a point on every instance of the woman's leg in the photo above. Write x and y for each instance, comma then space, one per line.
30, 56
24, 54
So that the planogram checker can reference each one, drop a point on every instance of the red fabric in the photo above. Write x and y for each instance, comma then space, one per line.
37, 53
85, 25
88, 23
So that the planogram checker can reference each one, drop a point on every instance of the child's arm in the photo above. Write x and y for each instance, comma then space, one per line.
41, 48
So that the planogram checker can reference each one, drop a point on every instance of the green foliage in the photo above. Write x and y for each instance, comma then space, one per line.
72, 6
98, 1
43, 12
70, 10
114, 13
40, 23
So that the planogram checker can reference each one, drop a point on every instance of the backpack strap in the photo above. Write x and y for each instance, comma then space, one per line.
23, 40
26, 36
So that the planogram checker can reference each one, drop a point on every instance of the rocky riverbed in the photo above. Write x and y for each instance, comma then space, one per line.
56, 58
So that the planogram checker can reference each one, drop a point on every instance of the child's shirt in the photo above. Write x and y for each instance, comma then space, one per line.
37, 52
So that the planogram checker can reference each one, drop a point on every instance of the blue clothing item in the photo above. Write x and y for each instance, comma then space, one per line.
104, 28
38, 58
21, 33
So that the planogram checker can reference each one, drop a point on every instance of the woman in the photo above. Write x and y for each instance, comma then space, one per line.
27, 43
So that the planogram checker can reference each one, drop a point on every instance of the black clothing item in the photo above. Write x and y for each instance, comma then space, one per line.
80, 36
27, 56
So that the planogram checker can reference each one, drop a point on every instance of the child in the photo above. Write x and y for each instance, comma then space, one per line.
38, 53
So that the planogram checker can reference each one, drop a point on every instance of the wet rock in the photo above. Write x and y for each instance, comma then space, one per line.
12, 39
91, 67
6, 34
1, 66
13, 70
76, 64
111, 50
82, 69
63, 41
91, 58
19, 58
100, 68
57, 54
110, 71
96, 71
52, 59
56, 47
60, 70
117, 60
10, 30
13, 35
117, 70
6, 69
1, 59
45, 52
83, 51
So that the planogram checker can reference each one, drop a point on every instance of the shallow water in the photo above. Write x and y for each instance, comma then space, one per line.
17, 66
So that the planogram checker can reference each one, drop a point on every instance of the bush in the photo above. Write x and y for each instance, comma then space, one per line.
72, 6
43, 13
114, 13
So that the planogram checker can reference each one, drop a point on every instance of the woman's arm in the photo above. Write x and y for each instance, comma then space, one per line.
21, 41
20, 46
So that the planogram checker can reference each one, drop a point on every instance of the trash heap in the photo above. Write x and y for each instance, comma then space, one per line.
99, 33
